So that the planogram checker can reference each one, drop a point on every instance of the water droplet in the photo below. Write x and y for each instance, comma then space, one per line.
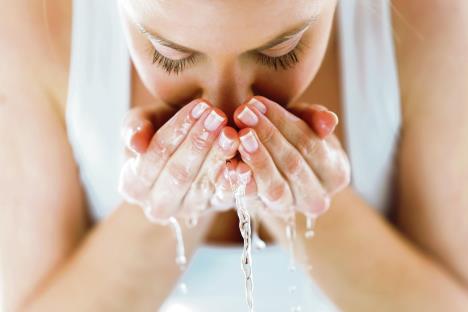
297, 308
180, 249
183, 288
310, 224
258, 243
291, 235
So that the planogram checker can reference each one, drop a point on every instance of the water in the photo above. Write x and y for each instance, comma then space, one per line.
310, 224
238, 189
291, 237
257, 242
181, 260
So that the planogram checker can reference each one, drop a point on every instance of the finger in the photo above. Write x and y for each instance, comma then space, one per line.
318, 117
183, 166
272, 187
164, 142
202, 190
325, 156
309, 196
139, 125
223, 198
252, 200
137, 129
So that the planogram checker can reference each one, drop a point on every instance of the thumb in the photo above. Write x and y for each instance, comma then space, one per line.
139, 125
318, 117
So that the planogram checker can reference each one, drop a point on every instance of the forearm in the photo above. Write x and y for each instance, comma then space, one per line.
125, 264
365, 265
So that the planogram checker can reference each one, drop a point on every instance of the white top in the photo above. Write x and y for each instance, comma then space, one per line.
99, 96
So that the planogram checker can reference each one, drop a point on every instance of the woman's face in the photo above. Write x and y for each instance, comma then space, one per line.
227, 50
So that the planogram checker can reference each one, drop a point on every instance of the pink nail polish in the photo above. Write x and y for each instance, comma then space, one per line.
198, 110
258, 105
225, 142
213, 121
248, 117
249, 142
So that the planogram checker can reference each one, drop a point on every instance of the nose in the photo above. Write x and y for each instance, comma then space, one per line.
228, 90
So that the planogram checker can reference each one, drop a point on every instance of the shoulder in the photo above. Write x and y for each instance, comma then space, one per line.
35, 43
431, 41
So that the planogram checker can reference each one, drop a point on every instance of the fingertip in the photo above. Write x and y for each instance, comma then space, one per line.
140, 137
228, 141
324, 122
237, 121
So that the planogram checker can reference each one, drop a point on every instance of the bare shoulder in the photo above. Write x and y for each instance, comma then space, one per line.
35, 43
431, 44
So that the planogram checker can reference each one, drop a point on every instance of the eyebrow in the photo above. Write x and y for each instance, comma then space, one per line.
284, 36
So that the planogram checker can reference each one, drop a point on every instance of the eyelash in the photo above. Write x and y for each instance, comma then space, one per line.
285, 61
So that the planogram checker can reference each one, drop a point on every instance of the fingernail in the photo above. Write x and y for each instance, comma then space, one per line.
225, 142
213, 121
249, 142
259, 105
130, 134
198, 110
248, 117
325, 122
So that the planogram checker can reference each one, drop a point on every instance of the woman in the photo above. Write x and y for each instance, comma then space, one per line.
55, 259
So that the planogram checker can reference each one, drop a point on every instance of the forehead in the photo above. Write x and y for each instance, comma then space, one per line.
240, 23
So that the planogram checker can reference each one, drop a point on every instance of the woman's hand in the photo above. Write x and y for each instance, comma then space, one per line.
174, 171
294, 165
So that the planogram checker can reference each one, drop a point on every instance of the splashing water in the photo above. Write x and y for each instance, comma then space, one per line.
181, 260
238, 189
310, 224
291, 237
257, 242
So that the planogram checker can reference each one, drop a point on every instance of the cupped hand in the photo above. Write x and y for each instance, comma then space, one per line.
297, 164
173, 168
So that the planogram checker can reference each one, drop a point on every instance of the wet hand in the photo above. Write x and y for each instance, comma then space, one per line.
173, 167
296, 162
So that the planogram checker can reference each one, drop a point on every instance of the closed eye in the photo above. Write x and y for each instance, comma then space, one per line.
176, 66
281, 52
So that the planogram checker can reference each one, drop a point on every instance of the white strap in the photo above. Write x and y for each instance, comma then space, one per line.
371, 96
99, 91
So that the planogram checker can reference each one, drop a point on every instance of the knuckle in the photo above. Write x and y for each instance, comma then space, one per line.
179, 174
294, 164
204, 186
266, 135
200, 141
260, 162
275, 192
157, 149
308, 146
318, 205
